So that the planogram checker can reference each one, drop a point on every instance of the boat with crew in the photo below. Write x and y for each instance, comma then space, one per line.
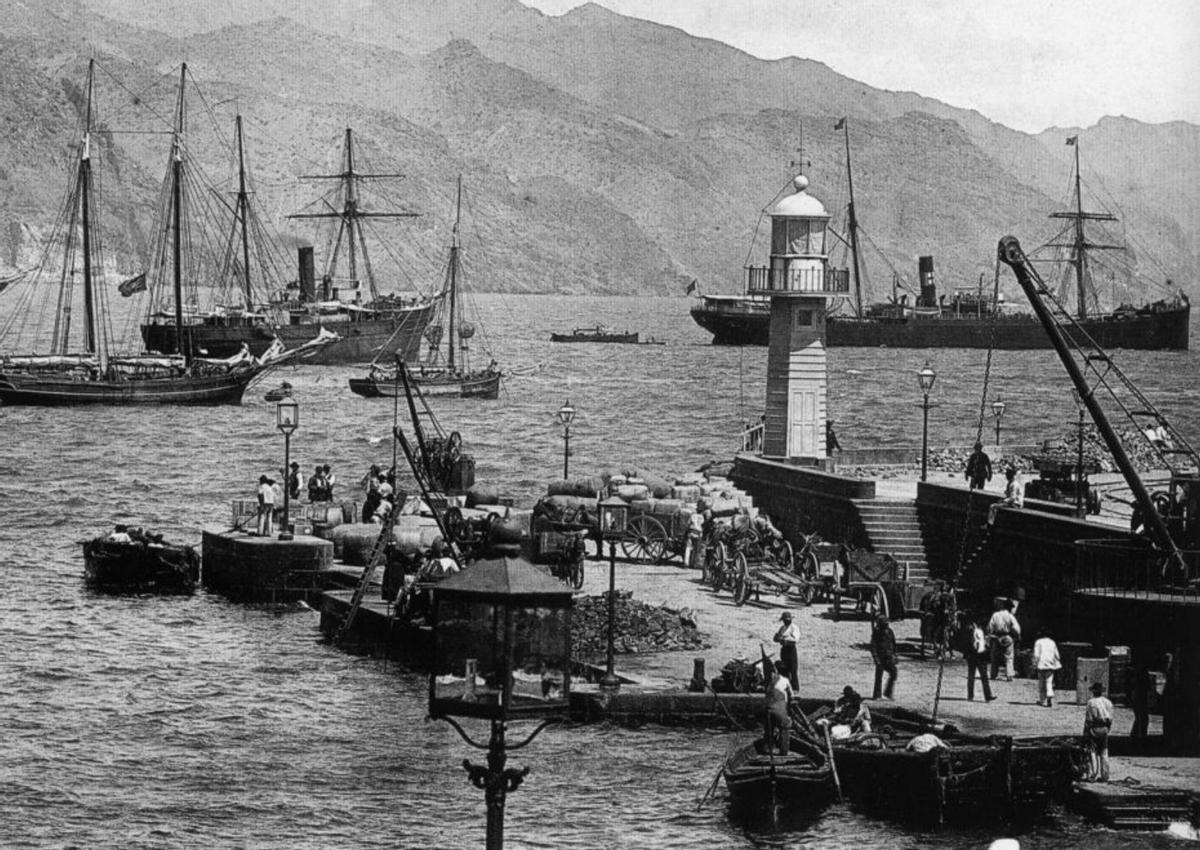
83, 362
760, 779
437, 373
139, 563
253, 312
971, 318
596, 333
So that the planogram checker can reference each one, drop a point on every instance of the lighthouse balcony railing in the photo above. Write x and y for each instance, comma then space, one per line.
764, 280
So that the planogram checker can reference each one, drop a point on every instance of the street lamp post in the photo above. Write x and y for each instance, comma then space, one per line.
566, 415
287, 419
925, 378
489, 622
613, 516
998, 412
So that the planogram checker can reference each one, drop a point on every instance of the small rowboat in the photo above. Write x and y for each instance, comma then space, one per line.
140, 567
802, 780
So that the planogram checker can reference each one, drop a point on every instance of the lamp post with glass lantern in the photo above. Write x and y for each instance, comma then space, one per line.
925, 378
998, 412
287, 419
497, 619
613, 517
566, 415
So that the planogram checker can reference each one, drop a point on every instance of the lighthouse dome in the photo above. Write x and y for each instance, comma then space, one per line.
799, 203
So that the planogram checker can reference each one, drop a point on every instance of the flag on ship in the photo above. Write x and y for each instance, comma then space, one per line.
691, 287
137, 283
840, 124
1071, 140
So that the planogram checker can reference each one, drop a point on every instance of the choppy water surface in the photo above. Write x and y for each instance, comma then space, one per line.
145, 722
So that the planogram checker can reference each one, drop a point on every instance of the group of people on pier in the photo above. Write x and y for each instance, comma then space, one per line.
270, 493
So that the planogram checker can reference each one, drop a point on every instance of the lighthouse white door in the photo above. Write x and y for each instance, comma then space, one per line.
802, 424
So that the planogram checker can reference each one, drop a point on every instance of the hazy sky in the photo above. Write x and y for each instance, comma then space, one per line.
1030, 64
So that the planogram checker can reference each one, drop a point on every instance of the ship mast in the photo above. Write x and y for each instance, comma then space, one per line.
1079, 245
349, 227
858, 305
91, 328
453, 271
177, 217
243, 212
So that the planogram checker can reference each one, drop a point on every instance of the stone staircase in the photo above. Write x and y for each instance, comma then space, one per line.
892, 528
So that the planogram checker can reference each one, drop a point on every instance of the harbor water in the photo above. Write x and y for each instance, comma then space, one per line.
191, 722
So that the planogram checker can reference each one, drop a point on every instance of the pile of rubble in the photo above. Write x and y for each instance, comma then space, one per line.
638, 627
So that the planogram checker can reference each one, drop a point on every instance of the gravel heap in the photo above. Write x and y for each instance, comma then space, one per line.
639, 627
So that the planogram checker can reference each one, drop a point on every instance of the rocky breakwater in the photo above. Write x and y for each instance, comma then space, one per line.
638, 627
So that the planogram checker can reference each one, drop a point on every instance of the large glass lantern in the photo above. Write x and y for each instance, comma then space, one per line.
926, 378
613, 514
287, 415
502, 643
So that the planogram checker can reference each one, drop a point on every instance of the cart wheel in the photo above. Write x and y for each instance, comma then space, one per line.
741, 580
645, 540
805, 592
807, 567
455, 525
706, 559
575, 574
718, 561
787, 556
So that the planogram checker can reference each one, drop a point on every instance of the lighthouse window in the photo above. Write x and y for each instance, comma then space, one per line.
798, 237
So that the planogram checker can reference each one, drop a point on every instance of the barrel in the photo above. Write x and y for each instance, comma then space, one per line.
481, 495
1087, 672
357, 544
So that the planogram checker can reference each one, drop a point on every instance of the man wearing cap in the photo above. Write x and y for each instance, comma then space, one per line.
883, 651
787, 637
1097, 721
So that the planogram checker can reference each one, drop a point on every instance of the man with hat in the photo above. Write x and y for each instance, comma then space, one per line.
293, 481
1097, 721
883, 652
787, 637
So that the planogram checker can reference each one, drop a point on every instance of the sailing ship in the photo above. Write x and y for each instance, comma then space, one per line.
385, 324
970, 318
438, 374
83, 363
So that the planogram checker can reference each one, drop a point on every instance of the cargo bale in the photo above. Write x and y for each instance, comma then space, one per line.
482, 495
357, 543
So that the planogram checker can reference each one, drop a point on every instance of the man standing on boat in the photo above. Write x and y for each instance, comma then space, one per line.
1097, 721
787, 637
779, 697
883, 651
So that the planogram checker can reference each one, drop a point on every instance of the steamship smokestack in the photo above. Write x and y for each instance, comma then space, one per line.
928, 287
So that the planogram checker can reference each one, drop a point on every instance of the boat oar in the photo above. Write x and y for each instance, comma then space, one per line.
837, 781
712, 787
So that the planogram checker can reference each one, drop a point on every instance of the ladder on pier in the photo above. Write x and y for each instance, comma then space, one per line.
376, 556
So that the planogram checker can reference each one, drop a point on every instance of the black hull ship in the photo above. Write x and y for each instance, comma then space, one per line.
384, 325
745, 320
140, 567
969, 319
437, 373
82, 364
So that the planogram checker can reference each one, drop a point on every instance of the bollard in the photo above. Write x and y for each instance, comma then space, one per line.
472, 667
699, 682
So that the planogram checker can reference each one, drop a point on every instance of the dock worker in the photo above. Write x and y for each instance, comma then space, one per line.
120, 534
779, 697
849, 710
1014, 496
330, 480
293, 481
883, 651
788, 636
979, 468
831, 441
1003, 631
316, 485
975, 651
266, 506
1097, 721
1047, 662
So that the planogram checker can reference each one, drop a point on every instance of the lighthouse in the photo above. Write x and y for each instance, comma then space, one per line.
799, 282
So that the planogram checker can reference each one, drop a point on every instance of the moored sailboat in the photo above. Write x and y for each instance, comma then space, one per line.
83, 363
383, 324
438, 374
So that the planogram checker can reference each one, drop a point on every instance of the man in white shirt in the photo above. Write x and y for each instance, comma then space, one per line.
1097, 721
788, 637
266, 505
1047, 662
1004, 631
